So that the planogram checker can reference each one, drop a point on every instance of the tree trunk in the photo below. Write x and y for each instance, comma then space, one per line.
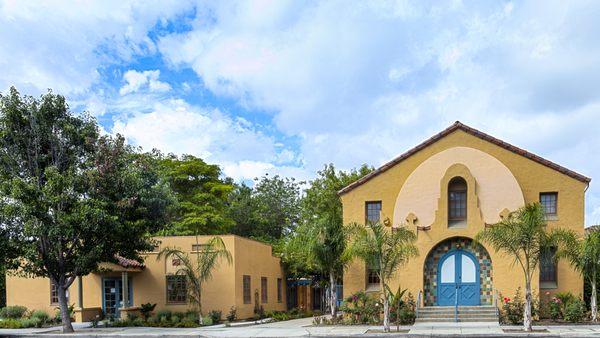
200, 319
527, 313
593, 304
332, 295
65, 316
386, 307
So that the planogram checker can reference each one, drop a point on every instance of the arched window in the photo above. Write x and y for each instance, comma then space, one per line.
457, 202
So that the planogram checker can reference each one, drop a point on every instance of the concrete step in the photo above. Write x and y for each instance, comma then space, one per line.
460, 315
451, 320
446, 314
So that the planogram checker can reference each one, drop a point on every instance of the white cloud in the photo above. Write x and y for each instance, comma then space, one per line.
363, 83
174, 126
137, 80
64, 45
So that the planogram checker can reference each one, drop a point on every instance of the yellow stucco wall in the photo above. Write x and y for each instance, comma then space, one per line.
222, 292
486, 198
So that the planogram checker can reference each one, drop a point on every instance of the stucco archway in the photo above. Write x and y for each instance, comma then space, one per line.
430, 268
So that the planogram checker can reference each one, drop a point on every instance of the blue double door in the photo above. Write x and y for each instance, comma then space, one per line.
458, 279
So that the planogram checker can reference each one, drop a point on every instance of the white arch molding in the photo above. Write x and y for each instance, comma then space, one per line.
497, 186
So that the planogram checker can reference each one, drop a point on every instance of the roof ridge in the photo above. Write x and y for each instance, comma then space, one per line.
472, 131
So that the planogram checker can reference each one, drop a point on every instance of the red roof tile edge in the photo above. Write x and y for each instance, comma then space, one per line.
460, 126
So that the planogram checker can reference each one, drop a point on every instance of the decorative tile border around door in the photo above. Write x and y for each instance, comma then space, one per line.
431, 266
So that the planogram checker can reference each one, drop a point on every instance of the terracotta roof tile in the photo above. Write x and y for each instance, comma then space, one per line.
459, 126
128, 263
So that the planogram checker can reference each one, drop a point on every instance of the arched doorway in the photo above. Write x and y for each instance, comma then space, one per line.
458, 270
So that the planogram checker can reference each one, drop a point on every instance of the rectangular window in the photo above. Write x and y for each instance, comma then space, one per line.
54, 294
176, 289
372, 277
279, 290
247, 289
549, 201
548, 268
199, 247
372, 212
263, 290
457, 205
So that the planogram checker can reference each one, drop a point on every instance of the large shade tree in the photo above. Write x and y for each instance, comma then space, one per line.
268, 211
197, 268
523, 236
384, 250
584, 256
201, 195
70, 198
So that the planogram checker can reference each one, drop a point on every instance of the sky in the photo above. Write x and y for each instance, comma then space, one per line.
284, 87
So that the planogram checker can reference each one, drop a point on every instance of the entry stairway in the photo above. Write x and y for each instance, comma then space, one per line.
482, 313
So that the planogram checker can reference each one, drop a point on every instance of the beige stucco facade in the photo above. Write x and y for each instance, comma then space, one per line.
148, 284
413, 191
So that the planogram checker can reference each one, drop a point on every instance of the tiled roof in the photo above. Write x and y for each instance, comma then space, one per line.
128, 263
459, 126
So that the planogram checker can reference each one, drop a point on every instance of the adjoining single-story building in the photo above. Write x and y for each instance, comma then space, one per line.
449, 188
255, 276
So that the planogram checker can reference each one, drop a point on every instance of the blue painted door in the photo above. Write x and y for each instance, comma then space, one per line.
112, 296
458, 279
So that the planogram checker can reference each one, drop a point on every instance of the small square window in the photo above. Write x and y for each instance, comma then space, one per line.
549, 202
372, 277
372, 212
176, 289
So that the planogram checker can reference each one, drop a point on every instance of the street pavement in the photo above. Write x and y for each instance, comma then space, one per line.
303, 328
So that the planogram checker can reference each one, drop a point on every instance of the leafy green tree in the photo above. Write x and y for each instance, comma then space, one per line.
584, 256
201, 196
198, 271
319, 244
71, 199
243, 211
524, 236
270, 211
384, 250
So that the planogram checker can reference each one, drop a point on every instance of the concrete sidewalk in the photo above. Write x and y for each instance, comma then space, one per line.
303, 328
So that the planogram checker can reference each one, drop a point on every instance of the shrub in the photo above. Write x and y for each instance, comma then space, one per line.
14, 312
10, 323
362, 309
166, 314
574, 311
188, 322
31, 322
555, 308
215, 316
132, 316
138, 322
512, 310
42, 316
175, 319
146, 310
207, 321
232, 315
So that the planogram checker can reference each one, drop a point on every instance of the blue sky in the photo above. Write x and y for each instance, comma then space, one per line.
287, 86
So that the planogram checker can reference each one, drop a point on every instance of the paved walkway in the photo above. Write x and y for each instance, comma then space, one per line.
303, 328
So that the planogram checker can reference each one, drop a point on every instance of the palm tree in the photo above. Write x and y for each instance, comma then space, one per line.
320, 246
197, 272
524, 236
384, 250
584, 256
